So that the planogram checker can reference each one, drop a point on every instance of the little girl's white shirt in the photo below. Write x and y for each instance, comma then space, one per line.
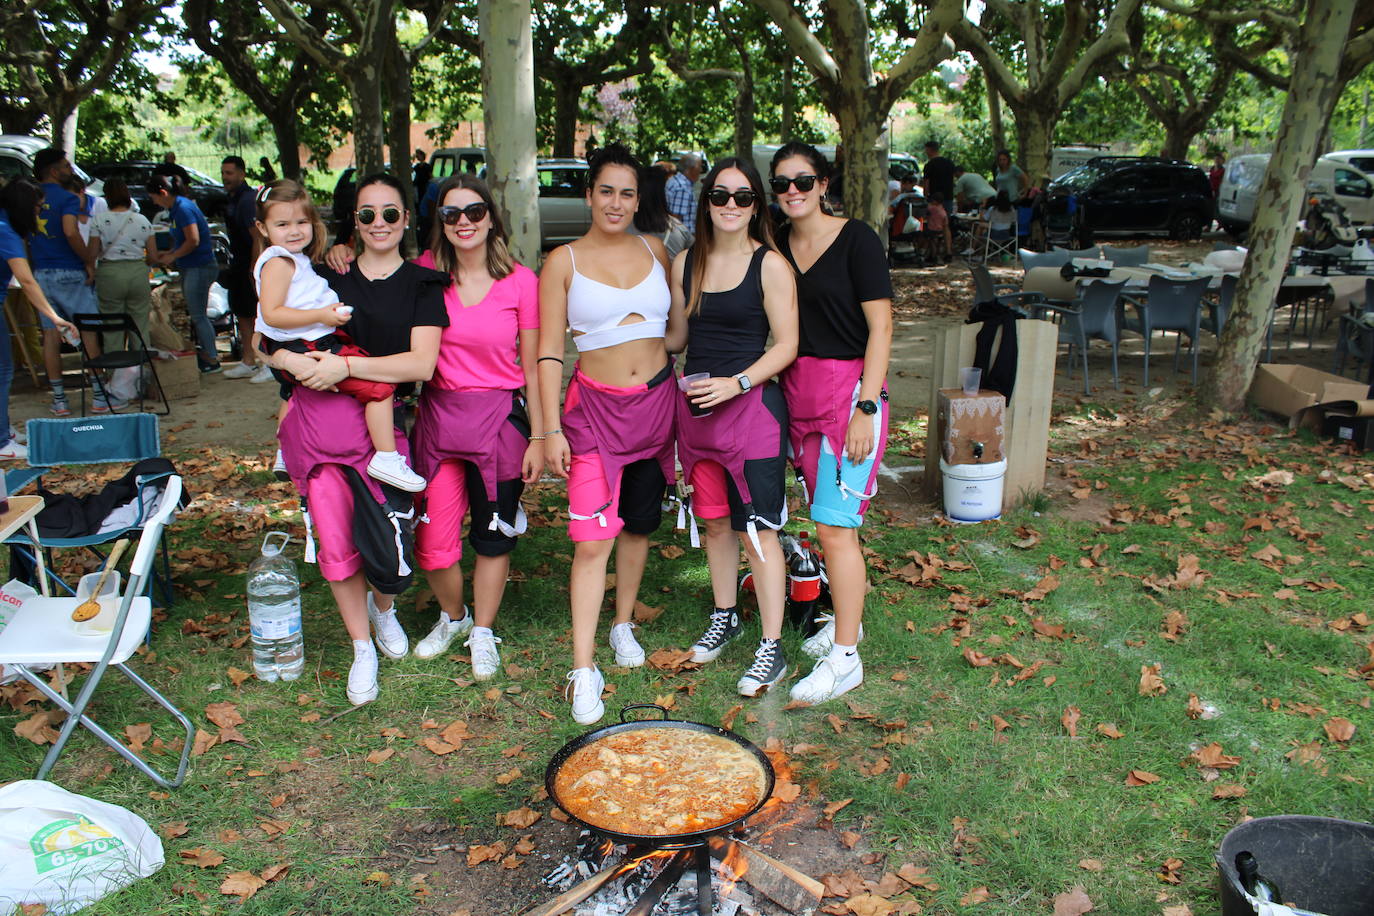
308, 290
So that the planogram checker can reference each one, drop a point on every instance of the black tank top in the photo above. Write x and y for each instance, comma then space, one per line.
729, 331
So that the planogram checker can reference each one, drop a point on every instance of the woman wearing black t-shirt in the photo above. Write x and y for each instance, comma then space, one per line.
398, 317
737, 289
836, 397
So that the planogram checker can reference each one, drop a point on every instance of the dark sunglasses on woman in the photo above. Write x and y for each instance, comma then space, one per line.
390, 215
474, 212
719, 197
779, 183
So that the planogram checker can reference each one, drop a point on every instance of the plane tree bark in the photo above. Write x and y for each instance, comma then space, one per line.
507, 50
858, 98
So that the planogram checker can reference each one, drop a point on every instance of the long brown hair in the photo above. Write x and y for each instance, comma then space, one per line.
286, 191
499, 262
760, 224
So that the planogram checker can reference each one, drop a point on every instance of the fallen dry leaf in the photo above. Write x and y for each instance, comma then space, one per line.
479, 854
508, 777
1228, 790
455, 733
1070, 722
241, 884
273, 872
1109, 730
1339, 729
1091, 864
1194, 709
439, 747
869, 905
225, 715
1169, 871
201, 858
173, 829
520, 818
379, 878
204, 741
237, 676
977, 895
1151, 684
1042, 588
138, 735
1213, 756
834, 808
381, 755
1140, 778
1072, 903
786, 790
1183, 910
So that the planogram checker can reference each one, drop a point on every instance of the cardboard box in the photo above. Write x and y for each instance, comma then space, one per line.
180, 377
964, 421
1358, 431
1297, 392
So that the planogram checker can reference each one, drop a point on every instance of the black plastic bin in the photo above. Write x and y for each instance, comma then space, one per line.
1319, 863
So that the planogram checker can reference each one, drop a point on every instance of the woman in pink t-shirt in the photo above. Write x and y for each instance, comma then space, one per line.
472, 429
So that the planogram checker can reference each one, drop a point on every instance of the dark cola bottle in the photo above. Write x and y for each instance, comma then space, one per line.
803, 587
1263, 887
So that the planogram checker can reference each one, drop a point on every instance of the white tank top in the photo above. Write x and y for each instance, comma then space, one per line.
595, 309
308, 290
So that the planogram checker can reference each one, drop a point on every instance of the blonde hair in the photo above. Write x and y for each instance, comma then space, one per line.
499, 261
286, 191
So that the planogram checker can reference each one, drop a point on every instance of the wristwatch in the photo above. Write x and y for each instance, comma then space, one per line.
868, 407
744, 383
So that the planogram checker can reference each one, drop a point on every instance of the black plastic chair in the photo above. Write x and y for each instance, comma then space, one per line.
1133, 256
1092, 316
985, 290
1355, 337
109, 326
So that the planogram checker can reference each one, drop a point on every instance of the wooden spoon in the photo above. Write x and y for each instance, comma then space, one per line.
91, 606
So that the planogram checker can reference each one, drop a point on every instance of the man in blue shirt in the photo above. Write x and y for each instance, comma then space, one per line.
682, 202
65, 272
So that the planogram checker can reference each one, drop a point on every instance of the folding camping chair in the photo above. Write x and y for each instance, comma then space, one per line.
111, 439
42, 632
136, 353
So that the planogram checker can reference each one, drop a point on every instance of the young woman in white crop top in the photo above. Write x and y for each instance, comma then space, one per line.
613, 439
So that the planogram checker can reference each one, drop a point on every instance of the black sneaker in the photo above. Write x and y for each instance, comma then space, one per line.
724, 627
768, 668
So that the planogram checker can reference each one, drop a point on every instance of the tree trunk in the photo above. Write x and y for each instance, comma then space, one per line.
999, 131
398, 95
69, 131
1312, 92
508, 109
1177, 139
789, 103
285, 131
865, 180
365, 87
1035, 139
567, 105
744, 117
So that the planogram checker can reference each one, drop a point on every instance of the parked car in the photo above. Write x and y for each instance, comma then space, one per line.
16, 160
1330, 176
1138, 194
1362, 159
208, 193
452, 160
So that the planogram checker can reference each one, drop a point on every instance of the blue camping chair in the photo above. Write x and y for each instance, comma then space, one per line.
109, 439
1172, 305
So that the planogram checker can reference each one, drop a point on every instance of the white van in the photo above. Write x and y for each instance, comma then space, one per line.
1362, 159
1064, 159
1331, 177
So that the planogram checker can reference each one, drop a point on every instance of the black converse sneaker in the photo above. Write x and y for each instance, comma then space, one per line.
724, 627
768, 668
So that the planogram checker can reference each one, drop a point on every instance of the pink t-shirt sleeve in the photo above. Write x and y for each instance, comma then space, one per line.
527, 285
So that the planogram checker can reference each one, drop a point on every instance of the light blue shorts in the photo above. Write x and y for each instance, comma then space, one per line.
67, 292
842, 489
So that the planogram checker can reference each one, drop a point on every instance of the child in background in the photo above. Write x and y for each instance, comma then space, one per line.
298, 311
936, 237
1001, 217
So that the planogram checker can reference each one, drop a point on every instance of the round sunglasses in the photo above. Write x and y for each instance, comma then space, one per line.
474, 212
389, 215
719, 197
779, 183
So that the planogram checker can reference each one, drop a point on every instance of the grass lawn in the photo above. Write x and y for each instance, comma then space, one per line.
1089, 695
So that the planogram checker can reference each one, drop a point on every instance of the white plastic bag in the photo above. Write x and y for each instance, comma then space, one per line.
1362, 251
68, 851
13, 594
125, 383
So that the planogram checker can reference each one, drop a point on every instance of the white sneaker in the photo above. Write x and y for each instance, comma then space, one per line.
18, 435
818, 644
260, 375
279, 470
362, 677
14, 450
391, 468
391, 639
242, 370
825, 683
584, 689
445, 631
628, 653
486, 661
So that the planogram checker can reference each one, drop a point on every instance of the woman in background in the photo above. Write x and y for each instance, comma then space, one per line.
123, 243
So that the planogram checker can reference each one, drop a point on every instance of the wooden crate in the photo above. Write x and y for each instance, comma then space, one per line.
180, 377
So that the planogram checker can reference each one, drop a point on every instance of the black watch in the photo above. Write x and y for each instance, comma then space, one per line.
868, 407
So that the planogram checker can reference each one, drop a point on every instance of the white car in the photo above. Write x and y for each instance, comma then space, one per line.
1330, 177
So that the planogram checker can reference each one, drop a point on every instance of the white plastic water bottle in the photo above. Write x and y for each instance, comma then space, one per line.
274, 612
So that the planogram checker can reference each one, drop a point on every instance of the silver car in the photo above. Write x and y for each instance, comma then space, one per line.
563, 211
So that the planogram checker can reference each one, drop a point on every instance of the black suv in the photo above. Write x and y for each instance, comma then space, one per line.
1138, 194
208, 194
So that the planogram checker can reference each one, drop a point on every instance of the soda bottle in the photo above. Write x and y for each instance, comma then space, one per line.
803, 587
274, 612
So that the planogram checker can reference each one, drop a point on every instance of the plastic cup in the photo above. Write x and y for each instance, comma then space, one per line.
687, 381
969, 379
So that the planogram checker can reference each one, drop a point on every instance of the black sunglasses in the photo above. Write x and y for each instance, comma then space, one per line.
474, 212
719, 197
779, 183
391, 215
